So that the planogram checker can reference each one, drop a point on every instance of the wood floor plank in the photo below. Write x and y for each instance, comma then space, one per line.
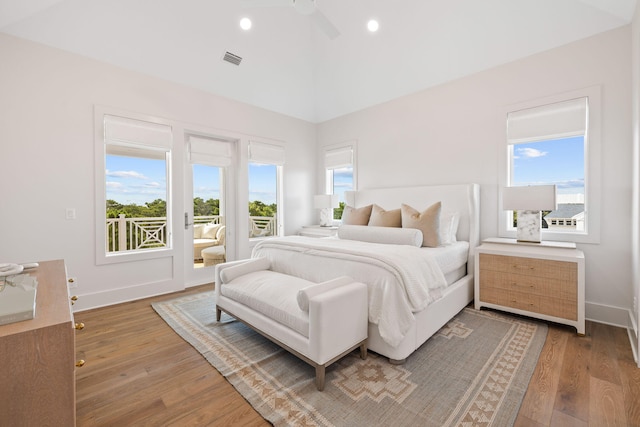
572, 397
140, 372
604, 362
606, 404
539, 400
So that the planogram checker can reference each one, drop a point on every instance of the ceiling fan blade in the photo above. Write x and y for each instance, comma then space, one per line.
266, 3
324, 24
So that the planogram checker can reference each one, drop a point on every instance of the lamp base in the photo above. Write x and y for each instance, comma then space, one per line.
529, 226
326, 217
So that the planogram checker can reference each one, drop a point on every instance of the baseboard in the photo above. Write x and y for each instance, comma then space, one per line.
606, 314
120, 295
633, 336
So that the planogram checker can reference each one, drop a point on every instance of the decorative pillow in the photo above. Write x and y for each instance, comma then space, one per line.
252, 265
210, 230
381, 218
388, 235
359, 216
307, 293
197, 231
449, 222
427, 221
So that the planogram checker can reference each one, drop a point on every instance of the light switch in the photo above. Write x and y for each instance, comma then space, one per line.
70, 213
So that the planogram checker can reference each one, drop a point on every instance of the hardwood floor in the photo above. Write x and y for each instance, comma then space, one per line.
139, 372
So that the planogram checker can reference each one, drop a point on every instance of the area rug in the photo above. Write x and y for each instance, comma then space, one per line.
473, 372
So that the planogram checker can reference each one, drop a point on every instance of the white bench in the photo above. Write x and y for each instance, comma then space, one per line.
318, 322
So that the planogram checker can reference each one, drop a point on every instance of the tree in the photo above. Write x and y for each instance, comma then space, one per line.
337, 212
258, 208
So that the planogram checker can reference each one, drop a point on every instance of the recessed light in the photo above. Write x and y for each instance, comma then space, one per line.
373, 25
245, 24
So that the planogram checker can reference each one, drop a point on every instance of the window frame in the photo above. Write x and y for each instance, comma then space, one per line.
100, 144
593, 169
273, 153
329, 172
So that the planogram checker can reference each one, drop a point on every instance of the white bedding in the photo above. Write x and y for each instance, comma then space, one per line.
401, 279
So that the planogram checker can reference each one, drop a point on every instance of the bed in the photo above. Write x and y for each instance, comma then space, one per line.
409, 299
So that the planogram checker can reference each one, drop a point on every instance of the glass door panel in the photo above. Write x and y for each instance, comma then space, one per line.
209, 220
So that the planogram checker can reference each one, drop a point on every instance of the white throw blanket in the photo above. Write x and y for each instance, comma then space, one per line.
401, 279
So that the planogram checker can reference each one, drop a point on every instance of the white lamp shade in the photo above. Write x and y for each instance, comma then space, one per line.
324, 201
532, 198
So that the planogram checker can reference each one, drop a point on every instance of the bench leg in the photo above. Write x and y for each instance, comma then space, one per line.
320, 377
363, 350
218, 314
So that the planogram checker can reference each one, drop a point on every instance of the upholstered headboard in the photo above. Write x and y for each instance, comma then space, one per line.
462, 198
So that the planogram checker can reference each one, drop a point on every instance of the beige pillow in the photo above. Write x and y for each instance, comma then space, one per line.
359, 216
381, 218
427, 221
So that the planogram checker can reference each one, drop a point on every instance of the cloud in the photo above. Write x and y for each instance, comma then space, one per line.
126, 174
113, 185
530, 153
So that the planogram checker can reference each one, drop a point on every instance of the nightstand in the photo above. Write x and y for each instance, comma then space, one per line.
318, 231
542, 280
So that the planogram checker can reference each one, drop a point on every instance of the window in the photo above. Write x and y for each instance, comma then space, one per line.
265, 182
339, 173
557, 142
135, 203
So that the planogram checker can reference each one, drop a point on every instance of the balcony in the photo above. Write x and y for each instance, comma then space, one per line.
131, 234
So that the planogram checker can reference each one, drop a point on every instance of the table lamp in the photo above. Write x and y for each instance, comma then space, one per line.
529, 201
326, 203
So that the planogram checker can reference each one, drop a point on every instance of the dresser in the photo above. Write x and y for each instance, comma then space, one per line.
37, 357
543, 280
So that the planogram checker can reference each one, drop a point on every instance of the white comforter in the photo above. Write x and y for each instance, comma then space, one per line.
401, 279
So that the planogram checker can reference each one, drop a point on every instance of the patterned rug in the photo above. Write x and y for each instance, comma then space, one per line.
473, 372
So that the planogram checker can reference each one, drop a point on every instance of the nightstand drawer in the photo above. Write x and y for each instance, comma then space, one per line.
564, 271
540, 304
563, 289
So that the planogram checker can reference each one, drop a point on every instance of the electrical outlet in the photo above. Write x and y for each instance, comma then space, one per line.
70, 213
72, 282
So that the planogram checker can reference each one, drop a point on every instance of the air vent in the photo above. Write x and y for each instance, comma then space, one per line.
232, 58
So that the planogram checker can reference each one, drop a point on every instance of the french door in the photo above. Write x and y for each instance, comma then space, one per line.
209, 207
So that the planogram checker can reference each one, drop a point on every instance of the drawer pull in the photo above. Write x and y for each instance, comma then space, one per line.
522, 267
74, 299
80, 363
518, 285
79, 326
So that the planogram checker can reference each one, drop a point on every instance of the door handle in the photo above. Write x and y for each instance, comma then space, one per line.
186, 221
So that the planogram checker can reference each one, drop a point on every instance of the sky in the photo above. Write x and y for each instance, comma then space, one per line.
342, 181
559, 162
138, 180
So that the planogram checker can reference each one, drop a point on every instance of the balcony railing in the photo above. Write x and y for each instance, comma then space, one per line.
129, 234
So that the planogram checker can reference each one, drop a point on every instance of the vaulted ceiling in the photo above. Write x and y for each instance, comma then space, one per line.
288, 64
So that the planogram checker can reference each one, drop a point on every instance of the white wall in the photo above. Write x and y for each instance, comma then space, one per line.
453, 133
47, 100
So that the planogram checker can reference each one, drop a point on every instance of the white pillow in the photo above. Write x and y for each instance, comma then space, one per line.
305, 294
252, 265
388, 235
449, 222
209, 231
197, 231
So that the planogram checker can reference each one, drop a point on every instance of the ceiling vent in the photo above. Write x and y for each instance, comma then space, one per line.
232, 58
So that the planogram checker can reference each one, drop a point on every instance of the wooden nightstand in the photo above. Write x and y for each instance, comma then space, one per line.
318, 231
543, 280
